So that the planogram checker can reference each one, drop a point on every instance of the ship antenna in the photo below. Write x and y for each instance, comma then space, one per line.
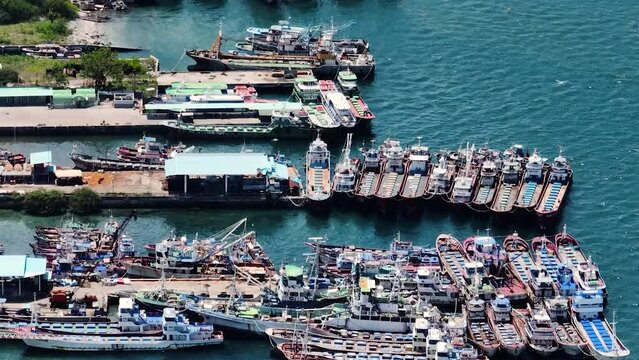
419, 141
614, 330
563, 232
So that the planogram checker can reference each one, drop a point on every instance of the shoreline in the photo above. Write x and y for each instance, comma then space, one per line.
87, 32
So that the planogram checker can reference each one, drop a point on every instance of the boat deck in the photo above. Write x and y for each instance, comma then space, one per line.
505, 198
367, 187
317, 181
257, 79
549, 261
508, 334
572, 255
482, 333
521, 261
598, 335
567, 334
415, 186
390, 185
529, 194
453, 262
552, 197
485, 195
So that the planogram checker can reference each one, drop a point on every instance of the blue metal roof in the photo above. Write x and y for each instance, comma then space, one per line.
43, 157
21, 266
220, 164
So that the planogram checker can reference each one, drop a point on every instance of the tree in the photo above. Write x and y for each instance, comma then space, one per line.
8, 76
57, 76
84, 201
45, 202
59, 9
100, 64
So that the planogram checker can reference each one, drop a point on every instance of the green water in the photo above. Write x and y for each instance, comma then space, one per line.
544, 74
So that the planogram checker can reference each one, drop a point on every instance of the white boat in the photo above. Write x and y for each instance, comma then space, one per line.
501, 322
587, 315
566, 334
176, 333
532, 183
306, 89
345, 178
318, 173
538, 329
336, 104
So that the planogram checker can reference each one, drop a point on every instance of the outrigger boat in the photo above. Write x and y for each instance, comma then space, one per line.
416, 178
532, 183
393, 172
499, 313
318, 174
587, 314
555, 189
586, 273
508, 189
479, 330
370, 176
346, 171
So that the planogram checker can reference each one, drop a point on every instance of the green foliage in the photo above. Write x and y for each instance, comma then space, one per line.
84, 201
16, 200
16, 11
38, 71
45, 202
100, 64
52, 30
8, 76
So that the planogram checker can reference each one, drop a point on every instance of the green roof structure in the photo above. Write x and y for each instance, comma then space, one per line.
25, 91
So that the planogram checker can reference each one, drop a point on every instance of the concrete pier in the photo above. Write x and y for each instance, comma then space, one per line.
261, 80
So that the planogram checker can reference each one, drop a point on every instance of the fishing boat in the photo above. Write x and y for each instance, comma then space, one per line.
392, 175
416, 178
522, 265
440, 178
587, 314
326, 61
532, 183
465, 181
486, 188
370, 175
555, 189
545, 255
346, 171
436, 288
347, 82
318, 174
176, 333
52, 51
537, 328
148, 151
501, 323
319, 118
566, 334
586, 272
480, 332
306, 89
485, 250
508, 188
336, 104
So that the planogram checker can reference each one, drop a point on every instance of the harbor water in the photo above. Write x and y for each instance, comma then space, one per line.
548, 75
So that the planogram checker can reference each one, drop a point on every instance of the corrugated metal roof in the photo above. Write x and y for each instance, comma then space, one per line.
25, 91
42, 157
220, 164
21, 266
291, 106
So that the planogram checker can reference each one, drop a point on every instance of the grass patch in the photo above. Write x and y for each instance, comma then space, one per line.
35, 32
32, 70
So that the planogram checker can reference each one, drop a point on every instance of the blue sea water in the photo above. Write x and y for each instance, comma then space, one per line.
543, 74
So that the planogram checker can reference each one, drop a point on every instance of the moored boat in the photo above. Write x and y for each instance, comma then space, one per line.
347, 82
336, 104
532, 183
306, 89
346, 171
537, 328
508, 188
369, 177
587, 315
566, 333
440, 178
556, 188
488, 176
392, 174
499, 313
318, 174
416, 175
465, 181
479, 330
585, 271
